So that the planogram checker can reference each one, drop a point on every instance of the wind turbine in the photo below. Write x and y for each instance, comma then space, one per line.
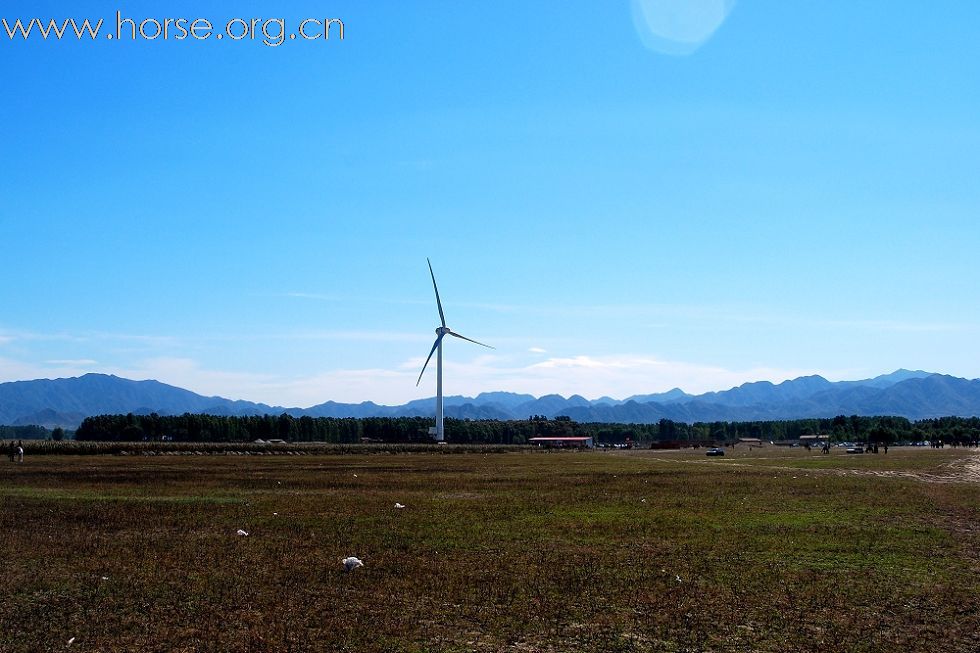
441, 332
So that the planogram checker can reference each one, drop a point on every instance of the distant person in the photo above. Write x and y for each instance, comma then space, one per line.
13, 450
20, 453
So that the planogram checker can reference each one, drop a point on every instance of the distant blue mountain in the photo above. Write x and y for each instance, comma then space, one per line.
764, 392
670, 397
886, 380
606, 401
912, 394
505, 399
550, 405
94, 394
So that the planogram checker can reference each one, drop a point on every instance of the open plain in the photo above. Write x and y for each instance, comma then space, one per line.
772, 549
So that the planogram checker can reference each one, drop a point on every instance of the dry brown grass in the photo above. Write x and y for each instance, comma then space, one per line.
501, 552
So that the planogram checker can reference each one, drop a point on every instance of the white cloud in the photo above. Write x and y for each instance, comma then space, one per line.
344, 386
18, 370
189, 374
12, 370
621, 376
616, 376
377, 375
594, 376
590, 376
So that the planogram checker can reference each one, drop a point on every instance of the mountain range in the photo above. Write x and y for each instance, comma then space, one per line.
912, 394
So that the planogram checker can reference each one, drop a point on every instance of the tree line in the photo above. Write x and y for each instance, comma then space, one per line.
213, 428
24, 433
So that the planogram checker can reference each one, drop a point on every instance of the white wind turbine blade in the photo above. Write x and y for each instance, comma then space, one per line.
438, 301
453, 333
434, 347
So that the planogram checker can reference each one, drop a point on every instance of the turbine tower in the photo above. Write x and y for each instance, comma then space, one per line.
441, 332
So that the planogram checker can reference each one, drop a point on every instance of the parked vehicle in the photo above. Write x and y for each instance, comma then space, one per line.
715, 451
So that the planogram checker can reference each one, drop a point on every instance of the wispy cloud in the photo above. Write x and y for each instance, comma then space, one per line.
91, 336
151, 340
19, 370
313, 295
350, 298
902, 326
72, 362
664, 315
367, 336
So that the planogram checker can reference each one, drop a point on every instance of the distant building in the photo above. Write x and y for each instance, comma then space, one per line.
563, 443
754, 442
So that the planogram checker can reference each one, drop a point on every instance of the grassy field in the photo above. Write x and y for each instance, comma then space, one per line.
773, 550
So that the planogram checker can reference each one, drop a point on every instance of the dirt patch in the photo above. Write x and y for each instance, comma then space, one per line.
961, 470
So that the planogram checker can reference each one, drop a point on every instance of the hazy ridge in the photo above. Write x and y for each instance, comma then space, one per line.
912, 394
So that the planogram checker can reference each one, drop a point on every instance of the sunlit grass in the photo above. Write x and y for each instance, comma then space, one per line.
639, 551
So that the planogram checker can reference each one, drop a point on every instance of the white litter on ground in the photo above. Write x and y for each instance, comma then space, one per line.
351, 563
398, 505
242, 533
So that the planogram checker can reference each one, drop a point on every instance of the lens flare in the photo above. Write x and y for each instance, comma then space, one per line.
679, 27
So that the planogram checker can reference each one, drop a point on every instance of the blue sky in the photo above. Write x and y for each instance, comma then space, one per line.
617, 212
